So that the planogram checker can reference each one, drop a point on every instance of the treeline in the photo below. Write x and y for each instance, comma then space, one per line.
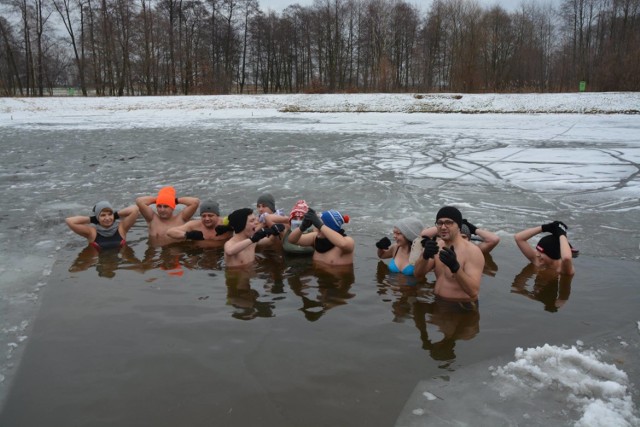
162, 47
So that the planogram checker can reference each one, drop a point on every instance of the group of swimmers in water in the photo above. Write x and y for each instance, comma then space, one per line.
448, 248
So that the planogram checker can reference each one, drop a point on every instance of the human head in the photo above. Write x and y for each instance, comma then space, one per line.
238, 219
550, 246
166, 196
100, 206
334, 219
266, 200
209, 213
410, 228
298, 211
210, 206
451, 213
103, 211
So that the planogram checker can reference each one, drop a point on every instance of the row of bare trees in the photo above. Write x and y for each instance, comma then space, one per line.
158, 47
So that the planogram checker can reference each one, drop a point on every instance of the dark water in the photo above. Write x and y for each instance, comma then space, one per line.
166, 336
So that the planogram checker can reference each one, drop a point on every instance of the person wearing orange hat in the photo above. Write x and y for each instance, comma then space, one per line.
162, 219
203, 228
330, 243
552, 252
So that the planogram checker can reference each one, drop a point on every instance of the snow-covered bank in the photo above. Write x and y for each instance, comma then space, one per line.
579, 103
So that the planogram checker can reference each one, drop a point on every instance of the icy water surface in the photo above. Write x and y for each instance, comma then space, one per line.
166, 336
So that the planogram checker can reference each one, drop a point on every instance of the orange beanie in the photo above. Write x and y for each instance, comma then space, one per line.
167, 196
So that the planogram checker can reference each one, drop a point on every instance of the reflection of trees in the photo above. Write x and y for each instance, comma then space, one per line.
320, 287
453, 322
549, 287
106, 261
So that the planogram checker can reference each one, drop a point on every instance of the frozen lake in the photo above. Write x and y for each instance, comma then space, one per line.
166, 336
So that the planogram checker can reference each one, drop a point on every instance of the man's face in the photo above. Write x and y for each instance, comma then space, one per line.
209, 220
447, 228
263, 209
252, 221
164, 211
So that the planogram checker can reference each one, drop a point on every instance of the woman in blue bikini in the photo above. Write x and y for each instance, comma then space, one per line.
404, 233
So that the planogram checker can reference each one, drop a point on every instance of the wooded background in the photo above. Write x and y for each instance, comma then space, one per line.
164, 47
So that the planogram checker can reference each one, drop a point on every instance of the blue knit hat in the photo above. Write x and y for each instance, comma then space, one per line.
334, 219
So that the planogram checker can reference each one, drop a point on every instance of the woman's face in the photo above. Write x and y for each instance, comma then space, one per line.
105, 218
399, 237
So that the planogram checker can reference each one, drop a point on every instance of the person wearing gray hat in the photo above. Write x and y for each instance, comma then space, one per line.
203, 228
268, 216
105, 228
405, 232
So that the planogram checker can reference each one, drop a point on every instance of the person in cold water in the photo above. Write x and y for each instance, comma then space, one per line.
106, 228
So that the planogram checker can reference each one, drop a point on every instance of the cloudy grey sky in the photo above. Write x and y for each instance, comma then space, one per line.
279, 5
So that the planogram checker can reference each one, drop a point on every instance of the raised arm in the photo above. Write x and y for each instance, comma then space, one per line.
191, 204
489, 240
566, 257
128, 217
81, 225
180, 233
521, 240
144, 205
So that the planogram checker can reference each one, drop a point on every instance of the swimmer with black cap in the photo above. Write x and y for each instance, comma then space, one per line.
553, 251
240, 250
203, 228
457, 262
106, 228
163, 218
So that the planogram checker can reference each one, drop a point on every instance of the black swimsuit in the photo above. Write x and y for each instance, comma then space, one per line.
115, 241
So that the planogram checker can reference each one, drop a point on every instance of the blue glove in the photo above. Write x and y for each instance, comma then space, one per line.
449, 258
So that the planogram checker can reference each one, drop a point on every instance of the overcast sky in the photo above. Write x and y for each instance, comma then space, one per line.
280, 5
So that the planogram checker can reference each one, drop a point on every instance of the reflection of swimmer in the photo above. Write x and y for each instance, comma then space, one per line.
106, 228
242, 297
331, 244
549, 288
105, 262
204, 228
404, 233
332, 287
455, 320
163, 218
552, 252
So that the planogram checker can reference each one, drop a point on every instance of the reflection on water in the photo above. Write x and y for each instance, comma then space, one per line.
106, 261
550, 288
411, 300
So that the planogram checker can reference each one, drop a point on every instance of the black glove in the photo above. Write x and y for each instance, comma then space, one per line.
449, 258
221, 229
383, 243
176, 201
115, 215
305, 224
259, 235
549, 227
472, 228
312, 216
560, 229
430, 248
94, 220
274, 230
194, 235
